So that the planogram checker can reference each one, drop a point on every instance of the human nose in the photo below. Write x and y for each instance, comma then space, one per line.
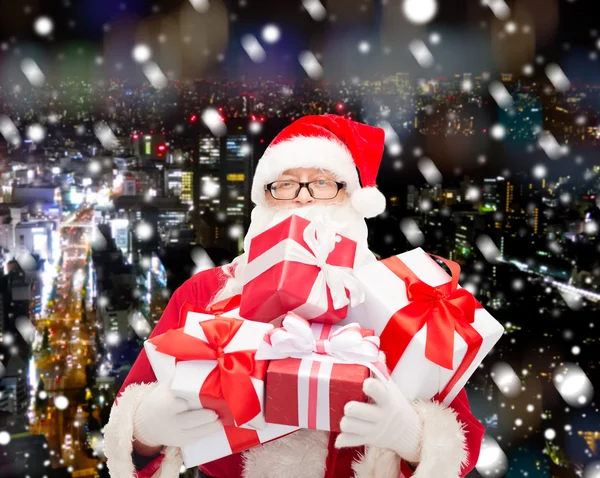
304, 197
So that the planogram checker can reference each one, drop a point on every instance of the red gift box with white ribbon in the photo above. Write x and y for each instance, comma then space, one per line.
303, 267
315, 369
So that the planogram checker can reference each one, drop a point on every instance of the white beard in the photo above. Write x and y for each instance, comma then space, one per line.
342, 218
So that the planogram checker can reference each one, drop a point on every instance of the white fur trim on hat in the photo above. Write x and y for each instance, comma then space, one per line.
304, 152
118, 437
368, 202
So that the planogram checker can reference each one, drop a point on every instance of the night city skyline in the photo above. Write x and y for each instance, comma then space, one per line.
129, 136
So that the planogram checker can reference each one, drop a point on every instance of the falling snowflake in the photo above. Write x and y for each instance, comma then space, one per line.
421, 53
573, 385
4, 438
492, 461
201, 6
528, 70
518, 284
590, 228
419, 11
435, 38
105, 135
575, 350
488, 249
311, 65
499, 8
510, 27
155, 75
392, 140
498, 132
557, 77
540, 171
473, 193
25, 328
144, 231
500, 94
36, 133
43, 26
364, 47
506, 379
550, 145
112, 338
412, 232
315, 9
255, 127
565, 198
235, 231
9, 131
430, 171
201, 260
141, 53
61, 402
271, 33
210, 188
212, 119
253, 48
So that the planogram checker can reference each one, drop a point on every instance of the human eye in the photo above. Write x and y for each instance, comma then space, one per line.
323, 183
284, 184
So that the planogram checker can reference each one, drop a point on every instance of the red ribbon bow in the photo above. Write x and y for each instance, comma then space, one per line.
216, 309
444, 309
227, 389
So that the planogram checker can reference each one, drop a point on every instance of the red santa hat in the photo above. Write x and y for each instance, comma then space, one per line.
332, 143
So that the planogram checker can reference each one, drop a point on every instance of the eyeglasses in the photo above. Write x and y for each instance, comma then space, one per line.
320, 189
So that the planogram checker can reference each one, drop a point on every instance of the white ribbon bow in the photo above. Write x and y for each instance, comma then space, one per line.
296, 339
322, 241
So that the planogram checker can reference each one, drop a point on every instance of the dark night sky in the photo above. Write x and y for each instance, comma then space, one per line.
466, 45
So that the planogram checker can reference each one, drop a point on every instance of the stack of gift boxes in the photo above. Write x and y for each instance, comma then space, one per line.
309, 328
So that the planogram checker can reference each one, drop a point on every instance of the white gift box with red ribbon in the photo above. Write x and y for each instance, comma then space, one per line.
173, 356
433, 332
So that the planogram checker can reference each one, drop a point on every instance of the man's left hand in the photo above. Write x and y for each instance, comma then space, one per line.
389, 422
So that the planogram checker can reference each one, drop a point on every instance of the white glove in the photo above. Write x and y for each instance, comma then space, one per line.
390, 422
162, 419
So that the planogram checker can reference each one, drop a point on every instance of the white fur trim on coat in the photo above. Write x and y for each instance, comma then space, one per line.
118, 437
300, 455
377, 463
304, 152
443, 446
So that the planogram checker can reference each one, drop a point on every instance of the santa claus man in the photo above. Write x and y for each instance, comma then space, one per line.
309, 169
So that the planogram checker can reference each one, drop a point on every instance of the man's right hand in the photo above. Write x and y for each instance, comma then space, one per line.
162, 419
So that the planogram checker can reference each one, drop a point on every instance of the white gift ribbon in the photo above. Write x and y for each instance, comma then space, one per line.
296, 339
322, 241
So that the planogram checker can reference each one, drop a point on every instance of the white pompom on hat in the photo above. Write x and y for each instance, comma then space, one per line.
332, 143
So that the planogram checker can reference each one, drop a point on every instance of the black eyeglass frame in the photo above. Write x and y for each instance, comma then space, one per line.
340, 186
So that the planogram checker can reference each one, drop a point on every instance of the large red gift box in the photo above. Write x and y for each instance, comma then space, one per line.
300, 266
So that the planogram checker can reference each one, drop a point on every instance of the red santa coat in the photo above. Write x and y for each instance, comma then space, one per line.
450, 447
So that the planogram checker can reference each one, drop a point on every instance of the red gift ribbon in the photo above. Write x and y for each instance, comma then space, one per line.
227, 389
241, 439
218, 308
444, 309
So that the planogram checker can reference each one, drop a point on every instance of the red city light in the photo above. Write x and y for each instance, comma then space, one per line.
135, 136
162, 148
193, 118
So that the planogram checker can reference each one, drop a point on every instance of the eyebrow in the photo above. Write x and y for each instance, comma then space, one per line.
312, 177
